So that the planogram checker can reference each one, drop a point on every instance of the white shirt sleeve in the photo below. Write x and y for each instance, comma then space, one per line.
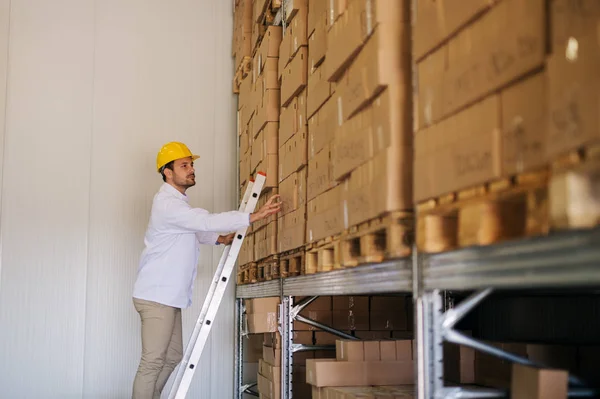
207, 238
178, 217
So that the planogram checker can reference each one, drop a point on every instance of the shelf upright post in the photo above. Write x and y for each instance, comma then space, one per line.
239, 349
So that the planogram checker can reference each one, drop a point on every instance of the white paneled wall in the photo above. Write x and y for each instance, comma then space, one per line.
93, 89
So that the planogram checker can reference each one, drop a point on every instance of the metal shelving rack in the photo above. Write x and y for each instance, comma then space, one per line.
559, 261
564, 260
390, 277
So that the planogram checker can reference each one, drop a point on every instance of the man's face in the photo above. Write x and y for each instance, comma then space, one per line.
183, 173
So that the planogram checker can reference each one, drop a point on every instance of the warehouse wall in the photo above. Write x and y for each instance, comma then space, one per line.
89, 91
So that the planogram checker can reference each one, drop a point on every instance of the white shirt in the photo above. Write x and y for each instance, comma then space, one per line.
168, 265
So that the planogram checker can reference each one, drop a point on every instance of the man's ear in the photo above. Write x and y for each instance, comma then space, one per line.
168, 173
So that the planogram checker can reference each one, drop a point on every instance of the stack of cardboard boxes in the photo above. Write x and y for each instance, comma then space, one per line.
363, 364
343, 146
385, 322
368, 58
324, 211
481, 92
293, 134
497, 95
242, 32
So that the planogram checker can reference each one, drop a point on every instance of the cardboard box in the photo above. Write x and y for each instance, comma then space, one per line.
524, 124
267, 110
437, 20
270, 167
292, 230
319, 90
372, 351
299, 29
459, 364
317, 47
387, 350
321, 303
300, 358
405, 349
293, 155
388, 303
325, 338
265, 241
573, 92
247, 102
350, 320
285, 51
262, 305
244, 142
293, 118
262, 322
272, 356
325, 372
389, 320
373, 335
322, 127
272, 340
534, 383
303, 337
383, 61
375, 129
572, 19
245, 168
349, 351
293, 192
247, 250
262, 200
252, 348
269, 74
265, 143
322, 316
463, 150
383, 184
269, 389
353, 144
345, 39
269, 47
494, 372
350, 302
335, 10
324, 215
270, 372
320, 174
258, 31
504, 44
317, 11
295, 76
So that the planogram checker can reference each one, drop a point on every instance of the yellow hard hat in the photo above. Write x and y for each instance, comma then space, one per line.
172, 151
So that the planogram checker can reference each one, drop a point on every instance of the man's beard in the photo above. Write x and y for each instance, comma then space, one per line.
187, 183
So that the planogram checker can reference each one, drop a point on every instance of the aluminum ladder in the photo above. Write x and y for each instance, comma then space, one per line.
199, 336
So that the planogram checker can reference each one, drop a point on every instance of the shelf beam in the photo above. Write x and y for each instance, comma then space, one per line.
560, 260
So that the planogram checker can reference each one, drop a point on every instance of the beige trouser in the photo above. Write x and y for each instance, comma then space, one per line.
162, 347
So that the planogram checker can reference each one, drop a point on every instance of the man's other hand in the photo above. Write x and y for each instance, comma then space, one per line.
270, 208
226, 240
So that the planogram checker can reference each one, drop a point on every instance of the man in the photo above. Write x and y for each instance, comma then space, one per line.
167, 267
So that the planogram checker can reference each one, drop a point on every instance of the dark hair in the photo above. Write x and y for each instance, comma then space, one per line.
167, 166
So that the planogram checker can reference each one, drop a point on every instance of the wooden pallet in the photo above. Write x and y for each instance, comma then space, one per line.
292, 263
264, 271
503, 209
323, 255
241, 72
247, 274
386, 237
574, 190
